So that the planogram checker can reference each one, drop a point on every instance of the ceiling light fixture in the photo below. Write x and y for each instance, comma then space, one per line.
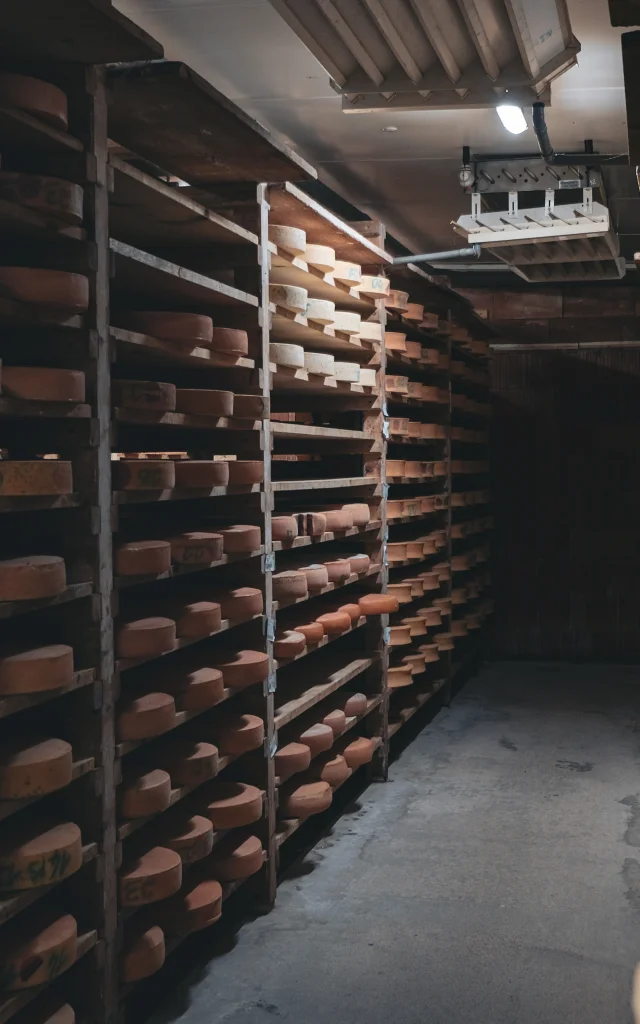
512, 118
390, 128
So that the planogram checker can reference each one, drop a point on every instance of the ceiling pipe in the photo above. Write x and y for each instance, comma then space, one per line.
447, 254
542, 134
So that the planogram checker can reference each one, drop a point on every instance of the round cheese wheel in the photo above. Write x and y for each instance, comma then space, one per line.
374, 287
398, 426
444, 641
241, 603
242, 668
414, 311
190, 836
359, 563
291, 759
347, 372
346, 322
36, 670
196, 548
322, 364
38, 948
417, 585
284, 528
336, 720
149, 715
413, 469
356, 704
143, 953
307, 799
33, 767
416, 663
431, 616
201, 402
401, 592
458, 629
143, 474
43, 384
233, 804
397, 299
31, 577
352, 610
317, 577
56, 290
59, 202
317, 738
200, 474
238, 734
289, 585
359, 511
430, 652
236, 857
399, 635
347, 273
142, 558
38, 477
40, 99
368, 377
395, 468
64, 1014
293, 240
152, 876
248, 407
229, 341
142, 394
144, 792
313, 632
331, 768
399, 676
395, 341
396, 552
395, 509
415, 548
338, 570
414, 349
242, 473
311, 524
39, 853
370, 331
194, 907
320, 311
198, 618
396, 384
322, 257
283, 354
359, 752
334, 623
142, 638
288, 644
288, 297
189, 762
239, 539
416, 625
338, 519
459, 595
181, 328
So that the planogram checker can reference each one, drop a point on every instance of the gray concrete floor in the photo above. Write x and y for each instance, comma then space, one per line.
494, 879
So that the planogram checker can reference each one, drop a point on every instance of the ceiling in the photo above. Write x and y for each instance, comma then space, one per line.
407, 178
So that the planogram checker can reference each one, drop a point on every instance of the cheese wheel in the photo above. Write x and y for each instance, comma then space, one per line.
153, 876
317, 576
229, 341
414, 311
430, 653
398, 426
39, 853
414, 389
347, 273
395, 341
33, 766
190, 836
417, 585
241, 603
42, 384
413, 469
336, 720
458, 629
416, 625
291, 759
288, 643
142, 394
414, 349
374, 287
430, 393
197, 618
59, 202
395, 468
196, 548
359, 752
338, 570
311, 524
239, 539
335, 622
399, 635
238, 734
359, 511
346, 322
401, 592
202, 402
293, 240
283, 354
444, 641
32, 577
317, 738
288, 296
284, 528
243, 472
368, 377
356, 704
399, 676
359, 563
143, 638
33, 478
320, 311
289, 585
180, 328
40, 99
140, 718
395, 509
236, 857
143, 953
331, 768
313, 632
378, 604
431, 616
413, 429
143, 474
322, 364
370, 331
144, 792
352, 610
413, 507
322, 257
396, 552
415, 548
201, 474
397, 299
142, 558
242, 668
56, 290
248, 407
430, 356
194, 907
36, 670
396, 384
338, 519
348, 372
307, 799
189, 762
36, 949
233, 804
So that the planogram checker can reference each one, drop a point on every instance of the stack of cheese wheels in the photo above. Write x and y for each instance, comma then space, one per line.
321, 257
36, 670
58, 202
284, 354
292, 240
35, 478
36, 948
32, 577
153, 395
189, 762
143, 952
321, 311
233, 804
43, 384
152, 876
301, 801
33, 766
38, 853
322, 364
57, 291
144, 792
143, 474
289, 297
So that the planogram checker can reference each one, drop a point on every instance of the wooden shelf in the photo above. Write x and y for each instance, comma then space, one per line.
79, 768
12, 904
124, 664
326, 641
11, 705
282, 486
140, 417
329, 589
175, 571
39, 503
73, 592
318, 433
292, 709
143, 348
286, 378
288, 326
18, 129
176, 494
406, 714
324, 538
288, 269
127, 747
14, 407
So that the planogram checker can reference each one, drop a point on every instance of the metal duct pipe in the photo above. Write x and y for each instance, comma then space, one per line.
448, 254
542, 134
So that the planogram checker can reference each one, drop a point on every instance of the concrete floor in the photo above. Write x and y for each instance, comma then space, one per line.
495, 879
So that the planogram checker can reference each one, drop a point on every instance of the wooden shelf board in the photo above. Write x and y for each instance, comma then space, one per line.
18, 408
149, 349
140, 417
393, 398
325, 642
123, 664
13, 704
80, 767
292, 709
287, 378
12, 1002
128, 746
12, 903
329, 589
330, 433
23, 314
36, 503
420, 700
122, 582
283, 486
303, 542
175, 494
294, 327
288, 269
417, 440
74, 591
20, 129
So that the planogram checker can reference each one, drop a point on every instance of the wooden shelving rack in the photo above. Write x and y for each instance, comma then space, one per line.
174, 220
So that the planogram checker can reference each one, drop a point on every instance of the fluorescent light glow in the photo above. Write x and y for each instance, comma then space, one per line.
390, 128
512, 118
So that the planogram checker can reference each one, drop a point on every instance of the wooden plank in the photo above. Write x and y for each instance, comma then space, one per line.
324, 538
326, 484
288, 269
20, 130
140, 417
79, 768
12, 904
175, 571
18, 408
533, 304
290, 710
309, 431
599, 302
124, 664
329, 589
73, 592
11, 705
124, 748
132, 343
